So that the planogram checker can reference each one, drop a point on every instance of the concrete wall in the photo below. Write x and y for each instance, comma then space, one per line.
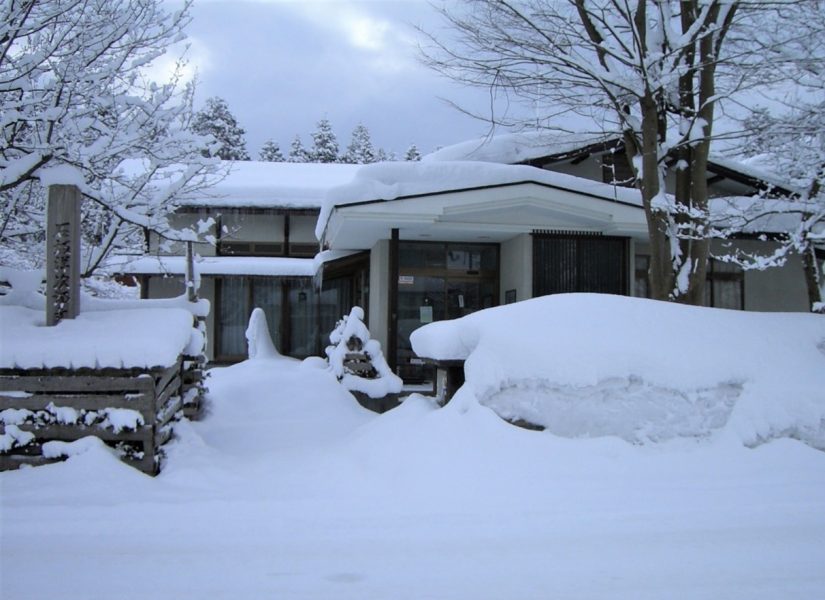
379, 291
516, 272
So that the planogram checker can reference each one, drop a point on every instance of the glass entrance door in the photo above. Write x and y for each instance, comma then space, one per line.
440, 281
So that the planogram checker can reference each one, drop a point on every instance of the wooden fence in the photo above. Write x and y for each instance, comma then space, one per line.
66, 405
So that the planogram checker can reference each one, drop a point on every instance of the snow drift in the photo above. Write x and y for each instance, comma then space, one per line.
585, 365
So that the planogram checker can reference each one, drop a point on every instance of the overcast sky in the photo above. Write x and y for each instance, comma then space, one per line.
281, 65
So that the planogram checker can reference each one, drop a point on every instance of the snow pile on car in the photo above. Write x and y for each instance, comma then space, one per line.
586, 365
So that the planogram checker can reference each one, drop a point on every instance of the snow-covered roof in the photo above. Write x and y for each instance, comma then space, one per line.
397, 180
751, 169
218, 265
275, 185
147, 337
515, 148
512, 148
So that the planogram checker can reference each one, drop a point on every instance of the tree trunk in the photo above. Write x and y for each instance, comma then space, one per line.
661, 271
812, 280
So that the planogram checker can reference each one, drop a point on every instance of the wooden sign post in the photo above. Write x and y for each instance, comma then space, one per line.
62, 254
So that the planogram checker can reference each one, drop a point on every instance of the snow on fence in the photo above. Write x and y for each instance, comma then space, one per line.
131, 410
118, 370
122, 370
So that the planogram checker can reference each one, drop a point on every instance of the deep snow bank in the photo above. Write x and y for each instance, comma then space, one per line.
593, 364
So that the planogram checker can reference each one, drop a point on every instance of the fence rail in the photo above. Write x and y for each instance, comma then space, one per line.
66, 405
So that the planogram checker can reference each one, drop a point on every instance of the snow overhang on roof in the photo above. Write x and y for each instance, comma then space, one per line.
274, 185
544, 147
524, 147
469, 201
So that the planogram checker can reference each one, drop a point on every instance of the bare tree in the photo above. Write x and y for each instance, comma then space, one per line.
788, 135
650, 71
78, 107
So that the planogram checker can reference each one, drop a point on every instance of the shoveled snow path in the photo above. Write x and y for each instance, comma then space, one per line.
287, 489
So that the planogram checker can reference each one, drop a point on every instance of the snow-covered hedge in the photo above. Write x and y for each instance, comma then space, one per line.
594, 364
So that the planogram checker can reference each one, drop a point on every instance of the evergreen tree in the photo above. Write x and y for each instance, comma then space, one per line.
325, 144
412, 153
271, 152
360, 150
216, 120
381, 155
297, 152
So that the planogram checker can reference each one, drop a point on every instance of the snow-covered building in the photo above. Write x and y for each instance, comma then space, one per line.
472, 226
523, 215
264, 255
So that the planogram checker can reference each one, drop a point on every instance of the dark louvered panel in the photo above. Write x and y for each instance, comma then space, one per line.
579, 263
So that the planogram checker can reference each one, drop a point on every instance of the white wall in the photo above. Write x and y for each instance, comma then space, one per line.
516, 271
379, 291
302, 229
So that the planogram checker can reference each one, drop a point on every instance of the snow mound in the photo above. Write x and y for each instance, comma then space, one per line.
121, 338
257, 405
586, 365
258, 341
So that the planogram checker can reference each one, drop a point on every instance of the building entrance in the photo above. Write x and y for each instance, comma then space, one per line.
438, 281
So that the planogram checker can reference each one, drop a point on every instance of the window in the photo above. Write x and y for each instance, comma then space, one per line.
616, 169
303, 250
573, 262
641, 280
289, 303
267, 232
725, 285
345, 283
237, 296
303, 318
227, 248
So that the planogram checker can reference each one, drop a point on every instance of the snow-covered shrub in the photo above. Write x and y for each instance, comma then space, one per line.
357, 360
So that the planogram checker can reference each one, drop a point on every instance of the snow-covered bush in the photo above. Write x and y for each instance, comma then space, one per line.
357, 360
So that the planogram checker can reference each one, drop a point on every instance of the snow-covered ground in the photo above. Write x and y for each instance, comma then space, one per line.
289, 489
